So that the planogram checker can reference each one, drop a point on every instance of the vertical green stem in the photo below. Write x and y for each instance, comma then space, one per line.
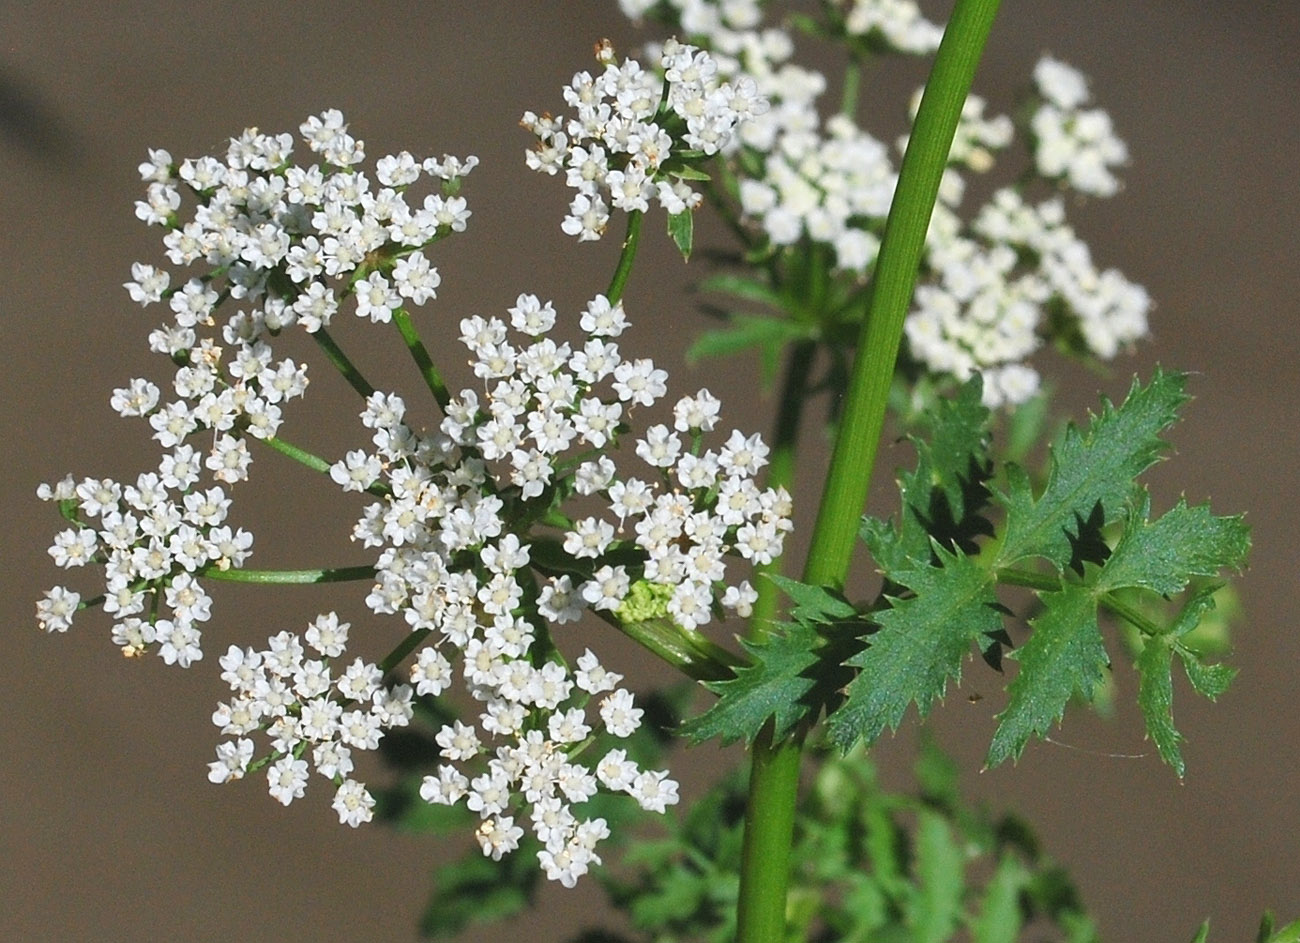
624, 267
863, 415
432, 378
769, 817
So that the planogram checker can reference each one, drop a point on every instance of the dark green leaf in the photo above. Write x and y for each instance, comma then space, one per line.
1156, 700
1164, 554
814, 605
776, 686
1063, 656
1089, 470
921, 642
944, 498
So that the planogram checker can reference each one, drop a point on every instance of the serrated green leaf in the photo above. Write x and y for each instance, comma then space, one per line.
814, 605
944, 497
746, 331
999, 917
940, 873
1156, 701
681, 227
1209, 681
774, 687
921, 642
1163, 555
1064, 655
1089, 471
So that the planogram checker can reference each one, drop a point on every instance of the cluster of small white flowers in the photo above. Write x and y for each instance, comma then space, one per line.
896, 24
290, 243
151, 538
633, 129
983, 299
1071, 143
458, 560
1109, 311
831, 181
980, 314
293, 695
985, 310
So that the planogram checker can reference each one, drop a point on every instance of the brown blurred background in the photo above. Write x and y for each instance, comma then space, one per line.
109, 829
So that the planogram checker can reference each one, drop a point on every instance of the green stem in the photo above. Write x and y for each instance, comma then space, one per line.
315, 462
432, 378
690, 653
780, 472
302, 456
625, 259
342, 363
863, 416
340, 574
852, 82
769, 816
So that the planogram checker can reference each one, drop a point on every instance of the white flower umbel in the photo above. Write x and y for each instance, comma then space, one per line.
474, 546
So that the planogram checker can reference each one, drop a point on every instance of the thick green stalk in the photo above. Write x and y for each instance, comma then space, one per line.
432, 378
769, 818
862, 419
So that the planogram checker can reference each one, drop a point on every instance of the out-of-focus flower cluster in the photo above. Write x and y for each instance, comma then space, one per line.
991, 291
471, 540
634, 130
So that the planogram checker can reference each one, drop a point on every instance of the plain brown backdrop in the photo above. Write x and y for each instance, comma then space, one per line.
109, 829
